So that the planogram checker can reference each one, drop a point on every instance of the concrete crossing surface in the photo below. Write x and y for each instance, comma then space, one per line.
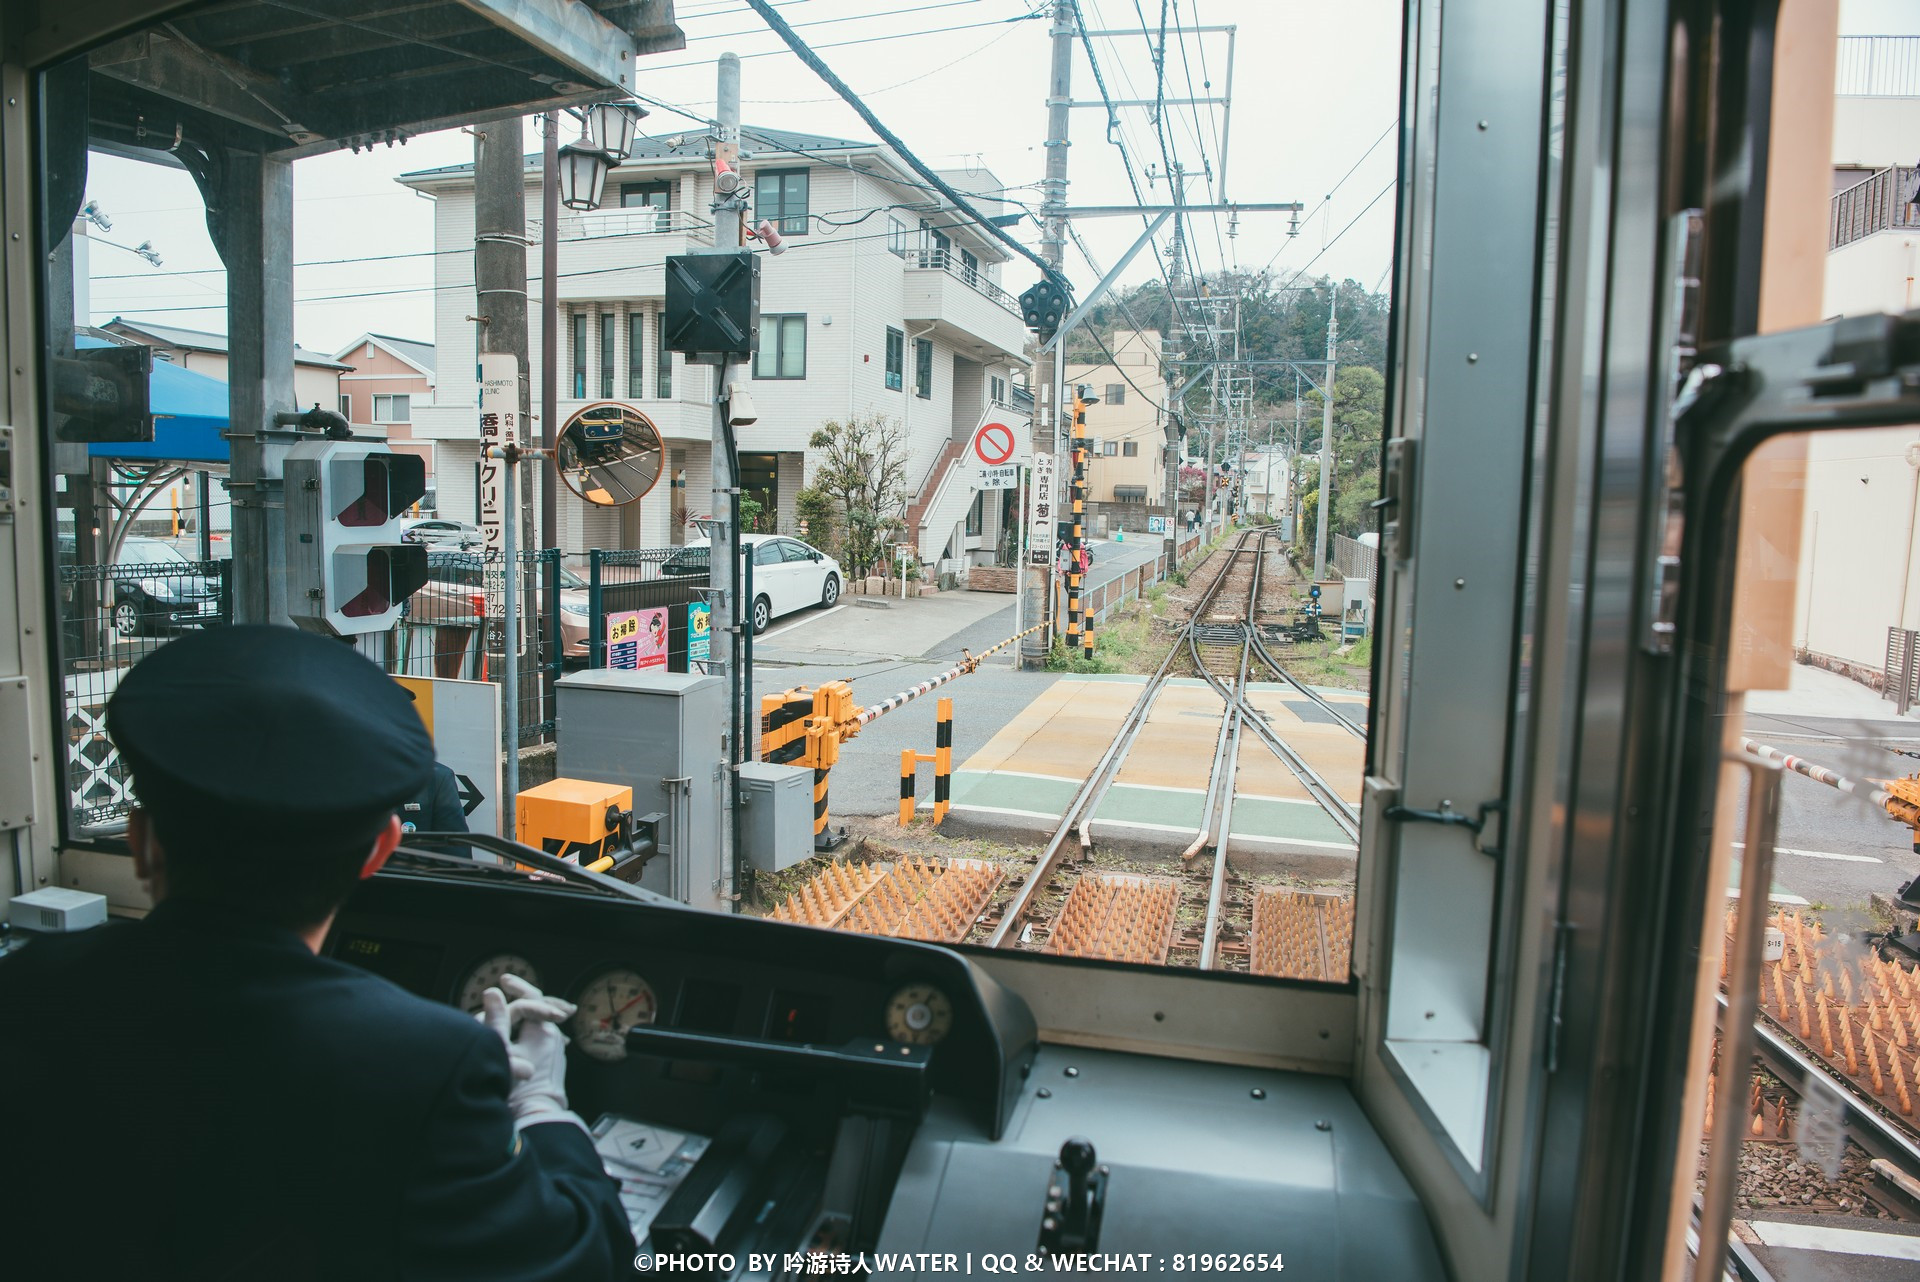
1029, 771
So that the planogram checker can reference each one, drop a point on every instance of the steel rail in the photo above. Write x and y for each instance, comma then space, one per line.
1215, 773
1216, 891
1332, 709
1086, 797
1206, 602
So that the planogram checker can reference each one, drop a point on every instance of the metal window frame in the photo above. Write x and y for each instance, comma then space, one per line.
788, 221
774, 354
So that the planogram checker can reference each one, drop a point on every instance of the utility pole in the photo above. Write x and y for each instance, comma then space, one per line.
500, 290
730, 614
1326, 444
1048, 374
500, 257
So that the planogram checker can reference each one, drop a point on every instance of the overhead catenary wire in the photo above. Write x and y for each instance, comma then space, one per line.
866, 113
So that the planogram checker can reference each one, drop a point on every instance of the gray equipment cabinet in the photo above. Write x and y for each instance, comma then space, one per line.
661, 734
776, 821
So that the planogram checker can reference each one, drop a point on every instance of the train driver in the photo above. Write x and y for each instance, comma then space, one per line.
204, 1097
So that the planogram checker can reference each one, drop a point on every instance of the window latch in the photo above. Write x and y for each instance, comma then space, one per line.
1447, 815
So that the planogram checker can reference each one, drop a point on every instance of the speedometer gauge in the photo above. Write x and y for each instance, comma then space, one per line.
611, 1004
919, 1015
487, 974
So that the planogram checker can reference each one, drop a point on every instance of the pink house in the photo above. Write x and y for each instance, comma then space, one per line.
390, 376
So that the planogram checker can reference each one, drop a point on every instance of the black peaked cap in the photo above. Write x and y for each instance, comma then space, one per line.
269, 726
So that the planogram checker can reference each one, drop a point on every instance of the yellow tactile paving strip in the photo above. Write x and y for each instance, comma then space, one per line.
1063, 732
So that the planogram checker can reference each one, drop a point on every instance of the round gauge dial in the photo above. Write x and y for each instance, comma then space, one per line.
610, 1004
919, 1014
487, 974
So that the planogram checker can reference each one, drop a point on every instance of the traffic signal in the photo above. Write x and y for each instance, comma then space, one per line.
348, 572
1044, 306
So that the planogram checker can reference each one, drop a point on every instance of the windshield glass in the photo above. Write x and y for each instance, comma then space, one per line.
1149, 604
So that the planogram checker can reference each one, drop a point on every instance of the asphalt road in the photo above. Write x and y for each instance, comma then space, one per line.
867, 779
1834, 850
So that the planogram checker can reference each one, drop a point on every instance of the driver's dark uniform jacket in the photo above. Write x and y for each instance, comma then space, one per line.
201, 1097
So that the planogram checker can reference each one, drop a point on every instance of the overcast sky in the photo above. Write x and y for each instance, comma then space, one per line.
1314, 98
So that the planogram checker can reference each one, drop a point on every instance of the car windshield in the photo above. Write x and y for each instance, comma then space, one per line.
899, 543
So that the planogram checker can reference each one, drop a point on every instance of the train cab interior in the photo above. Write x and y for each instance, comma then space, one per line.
1606, 346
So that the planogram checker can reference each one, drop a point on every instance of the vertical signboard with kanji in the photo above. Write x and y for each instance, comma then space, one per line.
699, 634
499, 427
1041, 511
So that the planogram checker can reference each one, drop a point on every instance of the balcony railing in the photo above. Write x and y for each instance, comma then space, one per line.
1878, 67
952, 264
598, 224
1879, 203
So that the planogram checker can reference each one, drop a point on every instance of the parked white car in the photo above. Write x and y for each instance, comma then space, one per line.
788, 575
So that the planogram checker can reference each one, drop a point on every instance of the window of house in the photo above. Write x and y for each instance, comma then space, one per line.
923, 367
997, 388
781, 196
656, 195
896, 359
607, 331
346, 407
392, 409
977, 514
1129, 449
663, 359
783, 347
938, 241
969, 267
636, 355
1109, 448
579, 358
897, 237
1116, 393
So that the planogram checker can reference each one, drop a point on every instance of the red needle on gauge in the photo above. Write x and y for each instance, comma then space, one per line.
618, 1012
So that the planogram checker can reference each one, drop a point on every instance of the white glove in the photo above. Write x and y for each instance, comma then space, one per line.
529, 1028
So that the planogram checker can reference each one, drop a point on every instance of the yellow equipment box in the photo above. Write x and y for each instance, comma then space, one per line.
566, 815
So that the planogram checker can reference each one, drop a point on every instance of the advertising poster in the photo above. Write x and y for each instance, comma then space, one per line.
623, 639
650, 644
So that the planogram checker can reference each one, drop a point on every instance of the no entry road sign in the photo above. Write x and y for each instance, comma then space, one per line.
993, 444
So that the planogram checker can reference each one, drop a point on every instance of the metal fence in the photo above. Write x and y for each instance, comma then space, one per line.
1902, 684
1354, 559
111, 617
442, 630
639, 580
1880, 203
1878, 66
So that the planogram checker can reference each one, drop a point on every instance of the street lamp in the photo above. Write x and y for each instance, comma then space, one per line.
611, 127
581, 173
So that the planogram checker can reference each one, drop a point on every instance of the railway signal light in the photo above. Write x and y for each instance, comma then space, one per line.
1043, 307
349, 572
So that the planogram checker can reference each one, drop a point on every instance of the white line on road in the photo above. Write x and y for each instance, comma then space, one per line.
799, 623
1733, 892
1820, 1237
1818, 854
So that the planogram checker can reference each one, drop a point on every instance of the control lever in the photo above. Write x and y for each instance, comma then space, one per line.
1076, 1196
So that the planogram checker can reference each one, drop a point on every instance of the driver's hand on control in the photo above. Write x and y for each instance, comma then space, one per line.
529, 1027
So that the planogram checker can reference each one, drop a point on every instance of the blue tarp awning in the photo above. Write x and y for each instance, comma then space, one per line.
190, 413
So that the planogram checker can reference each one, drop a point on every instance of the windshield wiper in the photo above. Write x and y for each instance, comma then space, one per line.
545, 869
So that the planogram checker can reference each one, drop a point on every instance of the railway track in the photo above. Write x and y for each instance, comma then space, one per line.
1185, 917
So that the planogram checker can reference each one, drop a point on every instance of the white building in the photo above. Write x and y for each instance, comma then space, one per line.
887, 301
1858, 573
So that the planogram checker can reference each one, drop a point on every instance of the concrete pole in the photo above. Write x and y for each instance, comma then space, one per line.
258, 254
1047, 373
500, 258
1326, 444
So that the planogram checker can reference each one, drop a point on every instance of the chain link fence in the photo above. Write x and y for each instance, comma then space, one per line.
111, 617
